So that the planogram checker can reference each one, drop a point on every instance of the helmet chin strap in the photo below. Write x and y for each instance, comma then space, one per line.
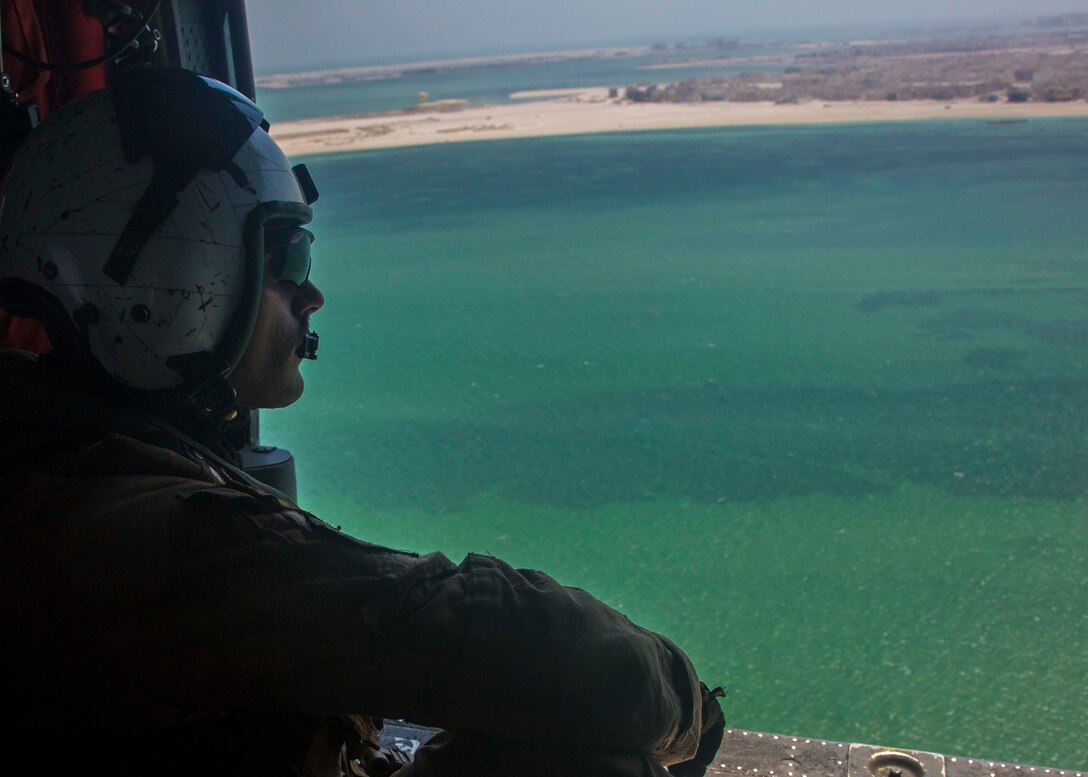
308, 348
206, 386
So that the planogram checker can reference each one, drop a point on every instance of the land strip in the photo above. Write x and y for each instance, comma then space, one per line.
591, 112
1040, 72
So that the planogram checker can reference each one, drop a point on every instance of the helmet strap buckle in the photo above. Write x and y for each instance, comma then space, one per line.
206, 386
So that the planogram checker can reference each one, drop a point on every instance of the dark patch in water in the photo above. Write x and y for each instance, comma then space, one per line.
994, 358
964, 323
715, 445
874, 303
917, 298
1070, 333
1060, 264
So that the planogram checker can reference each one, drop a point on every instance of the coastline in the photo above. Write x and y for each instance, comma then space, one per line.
590, 111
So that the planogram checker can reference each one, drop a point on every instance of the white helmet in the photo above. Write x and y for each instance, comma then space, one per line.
132, 224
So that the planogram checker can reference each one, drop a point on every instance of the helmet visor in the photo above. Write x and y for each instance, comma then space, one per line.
289, 254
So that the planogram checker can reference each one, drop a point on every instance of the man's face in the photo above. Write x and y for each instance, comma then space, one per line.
268, 374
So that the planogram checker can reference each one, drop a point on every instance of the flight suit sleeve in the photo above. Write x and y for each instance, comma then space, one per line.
292, 612
159, 597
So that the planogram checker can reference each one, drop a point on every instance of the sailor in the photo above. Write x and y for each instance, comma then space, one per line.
164, 612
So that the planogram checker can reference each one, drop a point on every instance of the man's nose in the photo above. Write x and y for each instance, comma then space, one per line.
308, 299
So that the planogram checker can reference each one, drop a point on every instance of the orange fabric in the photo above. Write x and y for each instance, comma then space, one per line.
24, 333
49, 30
62, 27
73, 36
22, 31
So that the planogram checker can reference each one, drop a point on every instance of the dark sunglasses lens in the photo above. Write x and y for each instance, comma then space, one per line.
291, 259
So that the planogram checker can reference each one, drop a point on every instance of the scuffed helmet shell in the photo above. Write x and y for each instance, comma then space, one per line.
67, 199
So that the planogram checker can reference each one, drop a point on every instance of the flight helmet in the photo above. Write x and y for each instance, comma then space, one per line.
132, 225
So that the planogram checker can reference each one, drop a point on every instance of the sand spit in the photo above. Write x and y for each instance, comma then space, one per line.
589, 111
578, 92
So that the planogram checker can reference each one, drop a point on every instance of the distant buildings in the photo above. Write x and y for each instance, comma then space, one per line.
1040, 66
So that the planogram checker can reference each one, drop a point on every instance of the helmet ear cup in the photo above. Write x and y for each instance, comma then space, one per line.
21, 298
194, 284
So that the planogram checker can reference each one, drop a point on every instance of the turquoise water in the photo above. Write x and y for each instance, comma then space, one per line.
812, 401
492, 85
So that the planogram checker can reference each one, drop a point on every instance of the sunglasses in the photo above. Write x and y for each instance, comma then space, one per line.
289, 252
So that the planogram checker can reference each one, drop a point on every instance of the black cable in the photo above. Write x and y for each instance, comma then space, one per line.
124, 10
123, 13
29, 60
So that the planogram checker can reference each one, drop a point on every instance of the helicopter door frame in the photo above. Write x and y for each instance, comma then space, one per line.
210, 37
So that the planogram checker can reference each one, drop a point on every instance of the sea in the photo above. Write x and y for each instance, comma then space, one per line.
812, 401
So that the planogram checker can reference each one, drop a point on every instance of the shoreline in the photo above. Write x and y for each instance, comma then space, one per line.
591, 111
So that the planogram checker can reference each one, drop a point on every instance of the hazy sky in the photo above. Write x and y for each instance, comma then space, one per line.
294, 34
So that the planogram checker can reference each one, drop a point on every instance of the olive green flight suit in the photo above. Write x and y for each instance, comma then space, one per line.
162, 608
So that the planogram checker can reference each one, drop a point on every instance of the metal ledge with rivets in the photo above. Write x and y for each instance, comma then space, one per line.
754, 754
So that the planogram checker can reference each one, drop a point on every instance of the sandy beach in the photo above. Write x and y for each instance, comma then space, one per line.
586, 111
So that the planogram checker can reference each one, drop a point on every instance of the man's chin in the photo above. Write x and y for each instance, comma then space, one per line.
290, 395
281, 396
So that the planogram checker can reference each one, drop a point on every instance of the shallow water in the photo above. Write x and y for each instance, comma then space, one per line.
812, 401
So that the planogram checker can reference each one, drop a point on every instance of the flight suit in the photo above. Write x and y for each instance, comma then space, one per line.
150, 588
